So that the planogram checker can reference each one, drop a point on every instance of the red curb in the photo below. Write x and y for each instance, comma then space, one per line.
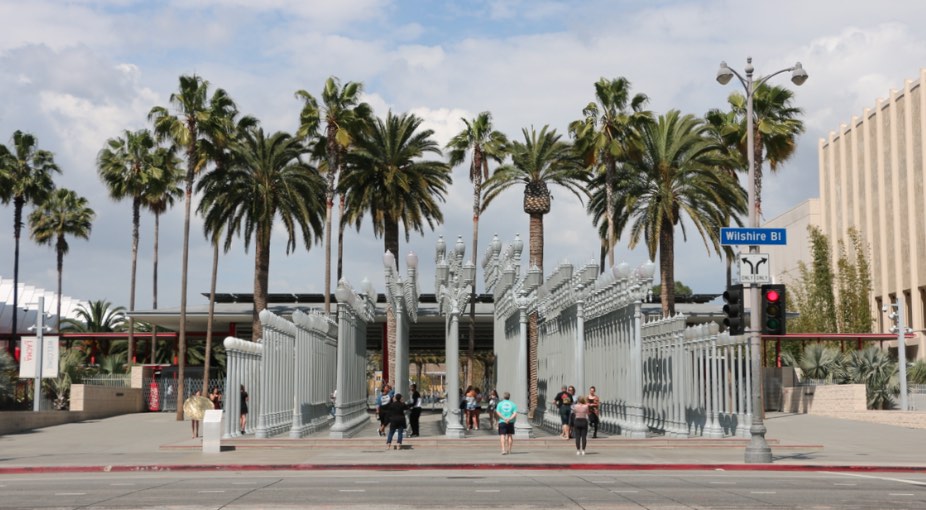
455, 467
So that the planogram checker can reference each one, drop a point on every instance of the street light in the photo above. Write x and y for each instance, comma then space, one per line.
402, 295
758, 450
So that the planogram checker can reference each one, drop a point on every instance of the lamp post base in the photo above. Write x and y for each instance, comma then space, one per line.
523, 430
758, 451
453, 428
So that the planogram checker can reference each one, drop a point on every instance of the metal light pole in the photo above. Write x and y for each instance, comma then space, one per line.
758, 450
39, 352
895, 313
403, 296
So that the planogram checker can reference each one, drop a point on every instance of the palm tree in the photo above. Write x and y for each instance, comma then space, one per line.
675, 175
267, 179
485, 144
192, 107
541, 160
25, 177
342, 114
605, 136
97, 317
387, 178
162, 192
724, 128
776, 125
221, 133
62, 214
125, 167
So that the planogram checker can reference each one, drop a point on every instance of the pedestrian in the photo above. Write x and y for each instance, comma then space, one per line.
491, 405
507, 413
384, 398
395, 412
194, 422
594, 405
415, 414
580, 430
216, 397
563, 402
470, 397
243, 418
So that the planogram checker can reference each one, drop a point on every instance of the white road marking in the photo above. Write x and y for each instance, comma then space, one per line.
899, 494
884, 478
762, 492
120, 484
70, 494
210, 492
625, 492
488, 490
724, 483
602, 481
352, 490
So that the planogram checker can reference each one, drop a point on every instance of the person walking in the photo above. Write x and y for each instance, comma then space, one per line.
594, 404
382, 400
243, 417
415, 414
216, 397
580, 419
491, 405
395, 412
507, 413
563, 402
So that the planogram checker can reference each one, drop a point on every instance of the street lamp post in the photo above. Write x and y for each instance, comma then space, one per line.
403, 296
758, 450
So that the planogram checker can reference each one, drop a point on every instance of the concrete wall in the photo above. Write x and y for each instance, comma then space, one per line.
847, 402
106, 399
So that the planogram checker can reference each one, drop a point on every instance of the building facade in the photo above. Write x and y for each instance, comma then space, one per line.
872, 179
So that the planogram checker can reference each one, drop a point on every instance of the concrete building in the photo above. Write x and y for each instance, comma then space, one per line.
872, 178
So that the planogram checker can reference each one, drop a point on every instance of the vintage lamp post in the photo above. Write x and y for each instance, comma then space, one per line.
402, 295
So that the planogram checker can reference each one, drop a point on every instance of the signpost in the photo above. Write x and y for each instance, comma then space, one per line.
754, 268
730, 236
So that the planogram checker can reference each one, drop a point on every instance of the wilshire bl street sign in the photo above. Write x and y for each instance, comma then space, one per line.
730, 236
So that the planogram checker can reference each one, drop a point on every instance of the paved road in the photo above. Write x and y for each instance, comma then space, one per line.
467, 489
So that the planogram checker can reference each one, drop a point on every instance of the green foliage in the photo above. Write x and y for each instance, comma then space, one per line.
870, 366
70, 369
916, 373
819, 307
7, 376
680, 289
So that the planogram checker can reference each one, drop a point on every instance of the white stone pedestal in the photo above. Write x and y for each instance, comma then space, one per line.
212, 431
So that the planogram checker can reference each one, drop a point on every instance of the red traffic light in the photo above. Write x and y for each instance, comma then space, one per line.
772, 296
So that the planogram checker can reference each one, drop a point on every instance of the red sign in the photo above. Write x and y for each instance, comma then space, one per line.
154, 398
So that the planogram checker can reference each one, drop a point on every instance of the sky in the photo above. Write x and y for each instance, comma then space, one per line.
76, 73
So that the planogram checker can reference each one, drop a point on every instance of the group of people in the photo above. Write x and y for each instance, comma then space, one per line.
391, 408
215, 396
577, 414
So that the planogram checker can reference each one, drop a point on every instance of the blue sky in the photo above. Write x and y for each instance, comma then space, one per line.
78, 72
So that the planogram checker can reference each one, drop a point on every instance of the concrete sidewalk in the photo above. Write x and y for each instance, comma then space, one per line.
156, 441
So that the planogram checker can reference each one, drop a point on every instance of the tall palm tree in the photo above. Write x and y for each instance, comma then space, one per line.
97, 317
162, 192
725, 129
605, 137
776, 125
63, 213
267, 180
221, 134
340, 114
26, 177
485, 143
541, 160
388, 178
192, 107
675, 175
124, 165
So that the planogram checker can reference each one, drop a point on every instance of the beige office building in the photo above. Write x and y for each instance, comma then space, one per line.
872, 178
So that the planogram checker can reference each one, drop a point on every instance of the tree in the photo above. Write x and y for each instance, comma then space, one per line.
25, 178
605, 137
541, 160
63, 213
674, 176
97, 317
266, 180
776, 126
162, 192
192, 108
387, 178
342, 114
485, 143
853, 278
125, 166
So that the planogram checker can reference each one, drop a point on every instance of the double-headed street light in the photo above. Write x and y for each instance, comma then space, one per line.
758, 450
402, 295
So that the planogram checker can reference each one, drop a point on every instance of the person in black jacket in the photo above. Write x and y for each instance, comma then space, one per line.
395, 412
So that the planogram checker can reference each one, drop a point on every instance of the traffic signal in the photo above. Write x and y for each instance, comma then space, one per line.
773, 309
733, 297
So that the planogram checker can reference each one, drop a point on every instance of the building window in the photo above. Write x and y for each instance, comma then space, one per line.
908, 309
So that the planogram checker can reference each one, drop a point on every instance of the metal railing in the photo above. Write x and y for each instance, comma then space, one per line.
115, 380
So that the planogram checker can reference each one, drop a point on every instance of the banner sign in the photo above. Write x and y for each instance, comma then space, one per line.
29, 356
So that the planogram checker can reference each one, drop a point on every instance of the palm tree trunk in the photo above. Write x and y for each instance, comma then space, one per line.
261, 276
331, 148
341, 227
18, 204
136, 220
60, 253
535, 243
391, 241
154, 288
181, 340
609, 207
757, 155
667, 269
209, 319
477, 194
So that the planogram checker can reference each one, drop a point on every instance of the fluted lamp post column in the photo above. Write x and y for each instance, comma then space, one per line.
453, 282
403, 296
758, 450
